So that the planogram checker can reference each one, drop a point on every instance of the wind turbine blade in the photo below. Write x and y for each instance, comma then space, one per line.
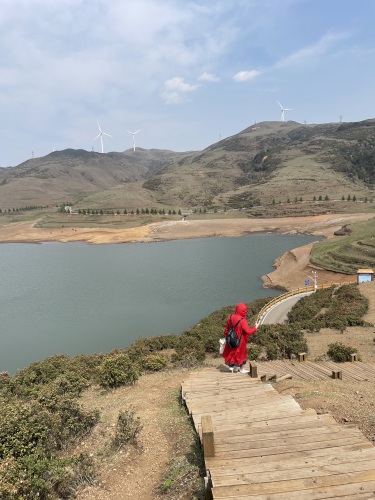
99, 126
97, 136
129, 132
279, 104
136, 132
106, 134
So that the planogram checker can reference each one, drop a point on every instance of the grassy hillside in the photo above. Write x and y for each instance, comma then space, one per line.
354, 249
265, 163
70, 175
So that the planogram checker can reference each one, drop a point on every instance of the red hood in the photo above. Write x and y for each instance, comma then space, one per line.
241, 310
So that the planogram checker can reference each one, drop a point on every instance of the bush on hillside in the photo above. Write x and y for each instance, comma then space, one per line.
116, 370
189, 352
254, 351
280, 341
331, 308
340, 352
36, 476
128, 426
154, 362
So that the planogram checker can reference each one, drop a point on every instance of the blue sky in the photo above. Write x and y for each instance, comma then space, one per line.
184, 73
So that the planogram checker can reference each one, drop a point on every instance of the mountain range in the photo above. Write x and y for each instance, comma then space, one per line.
269, 162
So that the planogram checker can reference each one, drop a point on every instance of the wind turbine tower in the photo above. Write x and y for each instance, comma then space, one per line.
133, 134
283, 111
101, 133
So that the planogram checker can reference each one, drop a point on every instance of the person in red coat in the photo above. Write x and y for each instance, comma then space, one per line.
235, 358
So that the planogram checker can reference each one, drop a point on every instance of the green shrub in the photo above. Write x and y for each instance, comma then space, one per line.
330, 308
36, 476
116, 370
339, 352
190, 351
128, 427
280, 341
154, 362
254, 351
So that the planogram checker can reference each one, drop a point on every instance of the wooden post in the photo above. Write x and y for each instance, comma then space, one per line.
301, 356
353, 357
253, 369
337, 374
208, 436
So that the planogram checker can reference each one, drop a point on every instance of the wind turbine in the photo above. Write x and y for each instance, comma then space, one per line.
133, 134
101, 133
283, 111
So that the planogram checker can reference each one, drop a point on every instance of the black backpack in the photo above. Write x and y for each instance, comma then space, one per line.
232, 339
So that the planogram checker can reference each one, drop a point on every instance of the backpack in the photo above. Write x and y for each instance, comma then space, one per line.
232, 339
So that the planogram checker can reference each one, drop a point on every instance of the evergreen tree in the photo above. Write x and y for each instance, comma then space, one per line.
125, 212
314, 199
354, 198
348, 198
326, 197
320, 198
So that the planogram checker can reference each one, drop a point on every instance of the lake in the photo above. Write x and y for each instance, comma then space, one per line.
75, 298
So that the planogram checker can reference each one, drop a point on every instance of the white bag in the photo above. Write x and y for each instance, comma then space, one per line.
222, 343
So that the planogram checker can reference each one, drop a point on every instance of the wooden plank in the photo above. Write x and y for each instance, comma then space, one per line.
294, 485
285, 447
278, 458
230, 396
295, 461
270, 447
309, 433
245, 398
263, 407
292, 425
280, 417
292, 474
265, 411
354, 490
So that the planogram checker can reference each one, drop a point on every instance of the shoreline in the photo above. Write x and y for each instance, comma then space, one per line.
290, 268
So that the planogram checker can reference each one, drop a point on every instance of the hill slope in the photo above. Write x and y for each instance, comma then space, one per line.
70, 175
265, 162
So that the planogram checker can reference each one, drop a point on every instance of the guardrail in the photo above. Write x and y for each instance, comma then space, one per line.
299, 291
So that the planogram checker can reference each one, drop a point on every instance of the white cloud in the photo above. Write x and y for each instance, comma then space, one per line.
311, 52
175, 90
245, 76
179, 85
208, 77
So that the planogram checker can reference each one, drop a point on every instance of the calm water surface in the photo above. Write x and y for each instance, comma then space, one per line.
75, 298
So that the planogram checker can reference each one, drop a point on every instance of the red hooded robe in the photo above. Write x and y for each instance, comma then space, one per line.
238, 356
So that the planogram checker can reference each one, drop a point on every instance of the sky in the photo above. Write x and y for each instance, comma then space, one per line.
186, 74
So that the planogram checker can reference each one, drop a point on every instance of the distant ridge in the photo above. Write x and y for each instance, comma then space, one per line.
264, 163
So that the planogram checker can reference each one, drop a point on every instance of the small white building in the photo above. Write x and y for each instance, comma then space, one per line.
365, 275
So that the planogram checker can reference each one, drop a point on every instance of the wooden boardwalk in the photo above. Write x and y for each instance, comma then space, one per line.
259, 444
308, 370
